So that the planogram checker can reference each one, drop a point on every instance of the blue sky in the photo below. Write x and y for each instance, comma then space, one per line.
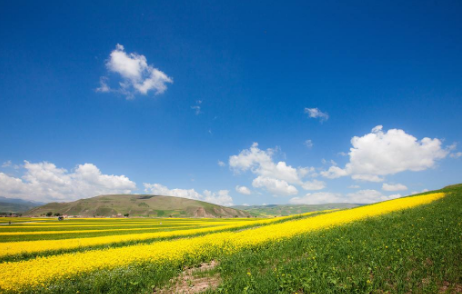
149, 96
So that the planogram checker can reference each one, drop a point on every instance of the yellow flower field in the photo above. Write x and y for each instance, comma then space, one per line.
42, 270
13, 248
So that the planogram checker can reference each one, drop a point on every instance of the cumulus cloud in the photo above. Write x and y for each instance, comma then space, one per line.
221, 197
316, 113
137, 76
221, 163
360, 197
45, 182
379, 153
393, 187
243, 190
275, 186
277, 178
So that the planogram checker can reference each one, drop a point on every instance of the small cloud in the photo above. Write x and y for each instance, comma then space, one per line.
309, 144
417, 192
245, 204
221, 163
316, 113
137, 76
456, 155
6, 163
104, 88
197, 107
243, 190
354, 187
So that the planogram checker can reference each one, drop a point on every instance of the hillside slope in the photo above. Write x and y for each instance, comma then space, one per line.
138, 205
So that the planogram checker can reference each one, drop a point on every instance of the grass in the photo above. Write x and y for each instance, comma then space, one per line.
417, 250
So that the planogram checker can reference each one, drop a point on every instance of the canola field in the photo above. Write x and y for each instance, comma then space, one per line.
277, 255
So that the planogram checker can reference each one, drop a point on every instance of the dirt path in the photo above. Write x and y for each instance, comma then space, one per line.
190, 281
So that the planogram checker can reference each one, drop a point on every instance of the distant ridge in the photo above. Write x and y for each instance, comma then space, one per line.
290, 209
138, 205
16, 205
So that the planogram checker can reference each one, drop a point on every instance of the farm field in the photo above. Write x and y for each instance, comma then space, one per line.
407, 244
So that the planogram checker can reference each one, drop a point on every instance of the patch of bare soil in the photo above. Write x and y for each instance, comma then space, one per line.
448, 288
188, 282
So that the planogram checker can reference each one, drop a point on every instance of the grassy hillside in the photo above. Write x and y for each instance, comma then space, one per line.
138, 205
412, 251
289, 209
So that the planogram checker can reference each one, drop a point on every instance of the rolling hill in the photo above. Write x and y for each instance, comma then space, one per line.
138, 205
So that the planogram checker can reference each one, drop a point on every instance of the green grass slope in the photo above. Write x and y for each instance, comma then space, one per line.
413, 251
138, 205
290, 209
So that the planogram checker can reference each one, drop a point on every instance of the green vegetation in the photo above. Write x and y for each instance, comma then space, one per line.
418, 251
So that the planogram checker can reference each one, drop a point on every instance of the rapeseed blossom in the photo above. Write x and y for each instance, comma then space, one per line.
40, 271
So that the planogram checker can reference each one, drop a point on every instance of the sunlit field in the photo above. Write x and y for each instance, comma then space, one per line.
366, 248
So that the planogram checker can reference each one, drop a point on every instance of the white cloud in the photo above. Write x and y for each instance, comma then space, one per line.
366, 196
316, 113
275, 186
197, 107
243, 190
261, 163
277, 178
309, 144
378, 154
317, 198
221, 163
456, 155
45, 182
395, 187
6, 163
360, 197
354, 187
313, 185
221, 197
136, 74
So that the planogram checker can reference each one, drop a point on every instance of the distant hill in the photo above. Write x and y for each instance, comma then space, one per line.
15, 205
138, 205
289, 209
